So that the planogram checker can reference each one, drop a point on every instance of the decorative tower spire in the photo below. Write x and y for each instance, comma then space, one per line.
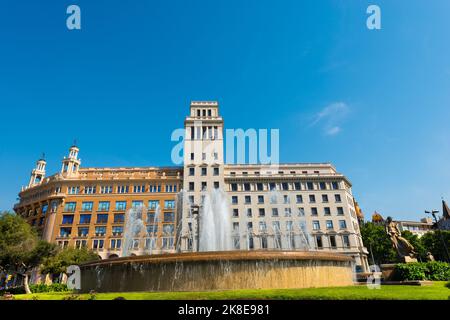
38, 173
71, 164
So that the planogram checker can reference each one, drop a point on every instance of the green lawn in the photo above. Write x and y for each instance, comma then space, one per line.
437, 291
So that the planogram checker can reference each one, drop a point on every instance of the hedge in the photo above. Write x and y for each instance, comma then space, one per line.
37, 288
433, 270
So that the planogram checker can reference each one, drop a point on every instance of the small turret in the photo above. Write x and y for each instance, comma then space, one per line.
71, 164
38, 173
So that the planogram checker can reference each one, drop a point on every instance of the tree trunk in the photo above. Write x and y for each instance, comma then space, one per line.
26, 285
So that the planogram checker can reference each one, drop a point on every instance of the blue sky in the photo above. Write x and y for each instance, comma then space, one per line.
374, 103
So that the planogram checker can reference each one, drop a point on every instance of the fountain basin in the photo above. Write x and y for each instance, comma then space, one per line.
218, 270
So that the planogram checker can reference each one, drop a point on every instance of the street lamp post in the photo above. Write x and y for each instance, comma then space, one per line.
196, 213
433, 213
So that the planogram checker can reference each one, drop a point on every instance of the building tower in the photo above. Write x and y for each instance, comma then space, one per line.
38, 173
203, 163
71, 164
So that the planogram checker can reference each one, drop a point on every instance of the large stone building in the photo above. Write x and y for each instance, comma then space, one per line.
286, 206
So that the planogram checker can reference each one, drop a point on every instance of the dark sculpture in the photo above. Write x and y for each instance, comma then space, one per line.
404, 249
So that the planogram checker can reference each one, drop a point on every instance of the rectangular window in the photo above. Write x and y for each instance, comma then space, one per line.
346, 241
285, 186
73, 190
310, 185
204, 171
191, 171
329, 224
70, 206
260, 199
139, 189
169, 217
103, 206
259, 187
324, 198
297, 186
80, 244
216, 171
319, 242
322, 186
327, 211
247, 200
44, 209
235, 213
333, 241
98, 244
261, 212
119, 218
191, 186
86, 206
342, 224
316, 225
122, 189
153, 204
65, 232
67, 219
169, 204
90, 190
234, 187
137, 204
337, 197
246, 186
249, 212
234, 199
314, 211
272, 186
204, 185
335, 185
106, 189
312, 198
192, 156
121, 205
236, 227
102, 218
100, 231
340, 211
85, 218
116, 243
299, 198
117, 230
83, 232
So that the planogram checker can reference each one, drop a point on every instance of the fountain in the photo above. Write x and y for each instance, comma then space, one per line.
217, 266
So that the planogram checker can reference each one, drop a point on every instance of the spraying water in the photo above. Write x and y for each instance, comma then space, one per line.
215, 222
133, 228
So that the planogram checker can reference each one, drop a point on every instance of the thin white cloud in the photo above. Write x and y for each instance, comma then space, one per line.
331, 117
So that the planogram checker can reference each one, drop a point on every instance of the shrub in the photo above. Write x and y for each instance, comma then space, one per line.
433, 270
54, 287
437, 271
409, 271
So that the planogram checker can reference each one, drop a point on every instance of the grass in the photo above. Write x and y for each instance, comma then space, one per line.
437, 291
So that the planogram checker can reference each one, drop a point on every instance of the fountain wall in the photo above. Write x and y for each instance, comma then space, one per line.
227, 270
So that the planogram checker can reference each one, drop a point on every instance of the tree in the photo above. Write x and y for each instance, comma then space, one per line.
378, 243
432, 242
68, 256
20, 248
